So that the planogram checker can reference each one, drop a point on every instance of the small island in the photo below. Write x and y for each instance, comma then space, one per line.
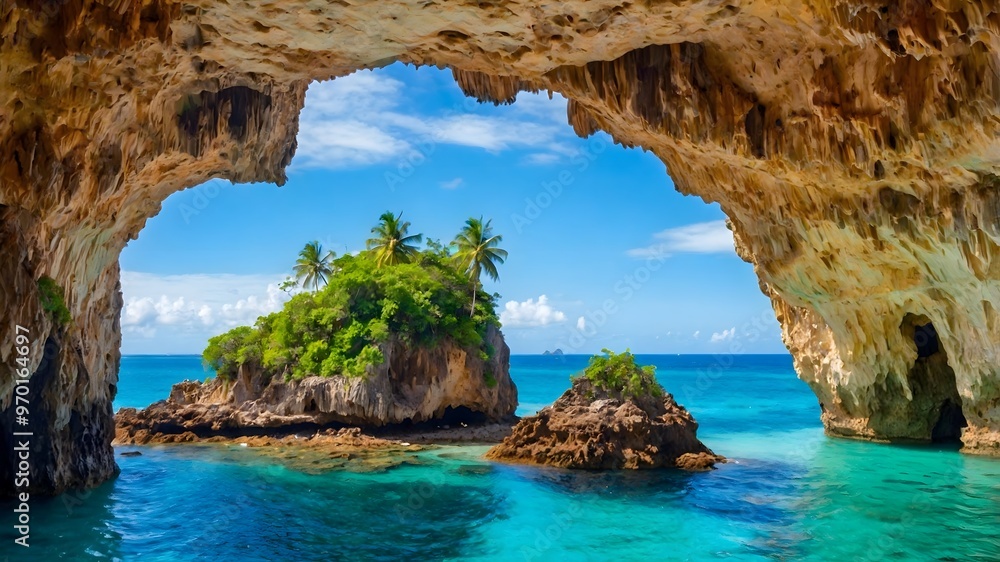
394, 336
614, 416
557, 352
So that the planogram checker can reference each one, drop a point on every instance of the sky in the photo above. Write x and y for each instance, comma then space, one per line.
603, 251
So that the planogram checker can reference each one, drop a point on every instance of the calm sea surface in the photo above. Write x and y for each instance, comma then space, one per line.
789, 494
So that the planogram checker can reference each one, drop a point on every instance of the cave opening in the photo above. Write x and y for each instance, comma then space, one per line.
451, 416
949, 425
932, 382
461, 415
926, 339
413, 142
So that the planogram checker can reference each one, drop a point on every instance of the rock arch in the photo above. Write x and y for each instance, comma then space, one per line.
852, 143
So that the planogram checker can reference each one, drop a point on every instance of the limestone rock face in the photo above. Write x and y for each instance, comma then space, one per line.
589, 429
446, 383
852, 143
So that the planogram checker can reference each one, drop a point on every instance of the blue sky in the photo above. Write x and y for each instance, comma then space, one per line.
603, 251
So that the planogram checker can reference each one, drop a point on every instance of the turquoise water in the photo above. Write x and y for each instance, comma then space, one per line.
789, 494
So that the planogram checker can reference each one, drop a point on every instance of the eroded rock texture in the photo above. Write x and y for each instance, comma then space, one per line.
852, 143
446, 383
591, 428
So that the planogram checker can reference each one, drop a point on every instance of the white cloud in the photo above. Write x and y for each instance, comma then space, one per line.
492, 133
368, 118
530, 313
452, 184
340, 124
581, 323
162, 306
543, 107
723, 335
542, 158
699, 238
696, 334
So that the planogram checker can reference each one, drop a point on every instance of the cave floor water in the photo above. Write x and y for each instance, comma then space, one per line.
790, 493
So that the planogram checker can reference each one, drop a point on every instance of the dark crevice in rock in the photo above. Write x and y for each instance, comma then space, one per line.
892, 39
206, 431
462, 414
754, 124
936, 405
171, 432
199, 116
41, 474
949, 424
897, 203
926, 339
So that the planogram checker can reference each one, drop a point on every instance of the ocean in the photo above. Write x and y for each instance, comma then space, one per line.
789, 492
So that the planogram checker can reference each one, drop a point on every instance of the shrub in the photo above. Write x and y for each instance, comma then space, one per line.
491, 381
340, 328
226, 352
619, 374
53, 300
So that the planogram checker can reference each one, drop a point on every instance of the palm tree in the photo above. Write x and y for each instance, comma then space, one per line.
478, 251
391, 243
313, 267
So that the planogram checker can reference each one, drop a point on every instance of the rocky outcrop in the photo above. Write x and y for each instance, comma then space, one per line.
590, 428
341, 449
447, 384
852, 144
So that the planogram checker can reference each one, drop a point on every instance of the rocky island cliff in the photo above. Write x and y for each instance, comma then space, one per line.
852, 144
446, 383
390, 336
623, 421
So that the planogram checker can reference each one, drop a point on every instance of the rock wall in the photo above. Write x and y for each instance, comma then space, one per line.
852, 143
446, 383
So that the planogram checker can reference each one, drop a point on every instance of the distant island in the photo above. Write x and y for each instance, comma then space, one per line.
556, 352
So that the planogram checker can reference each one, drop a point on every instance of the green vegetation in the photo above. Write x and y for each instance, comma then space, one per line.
313, 267
478, 251
53, 300
618, 373
491, 381
391, 291
392, 244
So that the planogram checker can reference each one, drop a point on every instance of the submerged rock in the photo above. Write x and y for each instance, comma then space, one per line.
445, 383
590, 428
